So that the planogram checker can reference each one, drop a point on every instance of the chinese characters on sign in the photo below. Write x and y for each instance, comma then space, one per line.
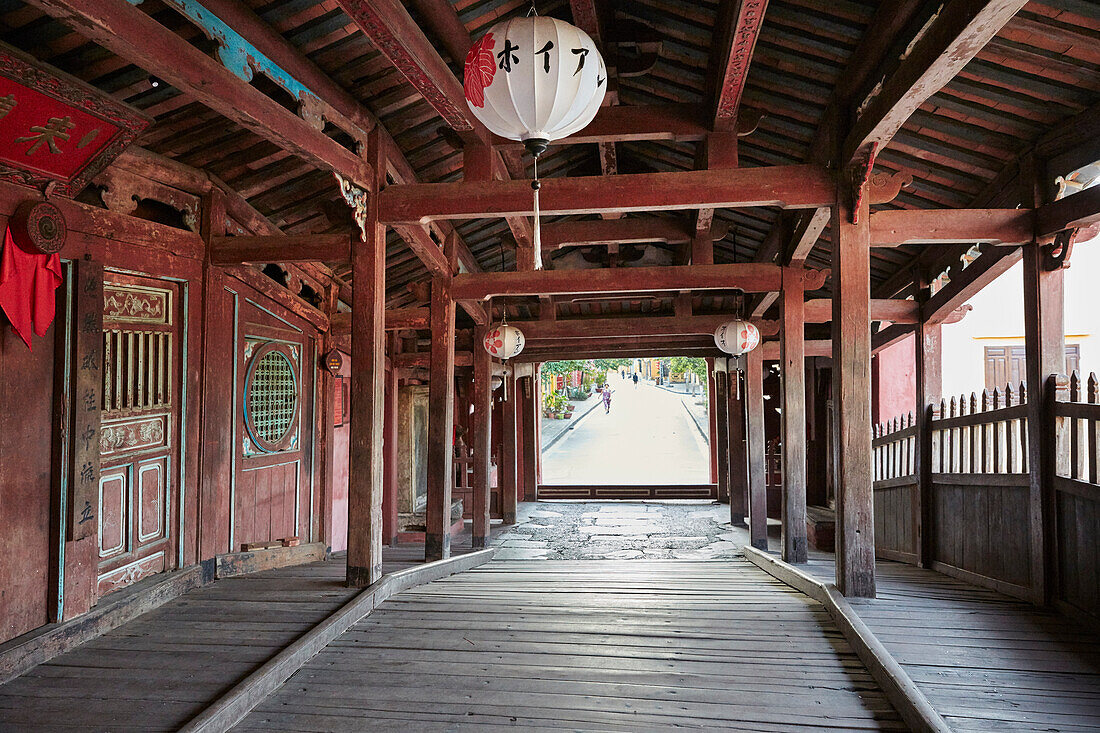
55, 128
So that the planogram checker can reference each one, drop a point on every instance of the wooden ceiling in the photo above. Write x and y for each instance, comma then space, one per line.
1040, 72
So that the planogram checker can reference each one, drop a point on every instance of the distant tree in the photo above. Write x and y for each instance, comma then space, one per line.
684, 364
605, 365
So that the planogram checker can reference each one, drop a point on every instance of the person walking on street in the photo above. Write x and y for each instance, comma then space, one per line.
606, 399
635, 380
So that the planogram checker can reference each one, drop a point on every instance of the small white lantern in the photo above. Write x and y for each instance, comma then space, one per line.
737, 337
504, 341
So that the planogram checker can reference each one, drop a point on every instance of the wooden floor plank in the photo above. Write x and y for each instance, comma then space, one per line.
605, 645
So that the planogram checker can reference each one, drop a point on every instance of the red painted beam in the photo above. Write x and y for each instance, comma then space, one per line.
749, 277
952, 226
738, 28
621, 231
804, 186
632, 123
603, 328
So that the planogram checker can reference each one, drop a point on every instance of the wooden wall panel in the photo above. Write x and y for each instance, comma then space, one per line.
26, 403
1079, 552
895, 537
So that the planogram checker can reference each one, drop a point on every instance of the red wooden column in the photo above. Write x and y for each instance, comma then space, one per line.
368, 364
721, 435
482, 438
929, 389
738, 457
792, 357
1045, 340
754, 445
530, 439
855, 541
712, 442
389, 449
441, 406
509, 455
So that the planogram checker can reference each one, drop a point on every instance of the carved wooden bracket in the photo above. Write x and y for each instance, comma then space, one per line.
858, 175
815, 279
356, 198
1056, 254
883, 188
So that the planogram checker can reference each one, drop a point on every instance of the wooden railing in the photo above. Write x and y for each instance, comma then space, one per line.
1076, 511
894, 463
985, 514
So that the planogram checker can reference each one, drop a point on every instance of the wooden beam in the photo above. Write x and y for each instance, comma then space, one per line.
958, 31
784, 186
749, 277
634, 123
396, 35
855, 552
894, 310
739, 23
621, 231
440, 449
595, 328
897, 227
396, 319
969, 282
127, 31
1078, 210
261, 249
755, 446
368, 357
423, 360
810, 347
793, 375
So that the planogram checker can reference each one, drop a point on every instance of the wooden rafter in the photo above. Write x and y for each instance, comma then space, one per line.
132, 34
739, 23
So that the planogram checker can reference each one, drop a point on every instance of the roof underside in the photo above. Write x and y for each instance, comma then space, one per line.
1039, 71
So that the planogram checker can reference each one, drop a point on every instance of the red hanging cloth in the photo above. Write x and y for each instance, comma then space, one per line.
27, 283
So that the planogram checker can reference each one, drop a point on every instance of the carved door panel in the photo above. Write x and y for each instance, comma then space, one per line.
273, 493
139, 443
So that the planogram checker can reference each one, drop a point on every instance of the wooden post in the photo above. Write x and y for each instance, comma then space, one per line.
326, 416
482, 437
390, 527
712, 442
722, 435
441, 405
855, 551
368, 364
530, 440
1044, 337
754, 445
509, 454
739, 477
793, 367
929, 389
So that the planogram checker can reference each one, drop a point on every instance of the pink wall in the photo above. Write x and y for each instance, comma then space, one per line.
895, 381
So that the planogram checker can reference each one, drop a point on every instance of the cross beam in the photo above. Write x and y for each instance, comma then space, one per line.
800, 186
622, 231
951, 226
749, 277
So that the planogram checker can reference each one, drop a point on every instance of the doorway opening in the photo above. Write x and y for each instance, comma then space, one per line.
625, 429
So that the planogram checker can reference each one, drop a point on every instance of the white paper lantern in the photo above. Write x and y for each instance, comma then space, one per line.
737, 337
504, 341
534, 79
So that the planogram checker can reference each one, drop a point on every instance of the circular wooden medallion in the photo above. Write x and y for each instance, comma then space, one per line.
333, 361
42, 226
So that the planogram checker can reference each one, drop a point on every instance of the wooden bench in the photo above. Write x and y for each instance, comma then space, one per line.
821, 528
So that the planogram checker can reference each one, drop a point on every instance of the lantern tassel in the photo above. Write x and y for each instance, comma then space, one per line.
535, 186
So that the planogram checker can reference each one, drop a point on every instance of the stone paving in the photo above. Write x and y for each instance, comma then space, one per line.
621, 530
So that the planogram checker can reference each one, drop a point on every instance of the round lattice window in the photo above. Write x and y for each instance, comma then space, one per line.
271, 398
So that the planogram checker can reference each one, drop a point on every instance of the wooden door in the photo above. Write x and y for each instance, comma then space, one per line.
272, 491
139, 436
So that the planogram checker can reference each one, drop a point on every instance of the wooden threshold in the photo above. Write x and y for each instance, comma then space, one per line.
232, 564
629, 491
